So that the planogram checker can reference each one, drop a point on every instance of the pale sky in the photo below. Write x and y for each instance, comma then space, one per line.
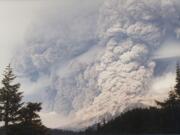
15, 19
17, 16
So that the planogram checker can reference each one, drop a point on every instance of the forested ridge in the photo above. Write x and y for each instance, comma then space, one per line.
164, 118
22, 118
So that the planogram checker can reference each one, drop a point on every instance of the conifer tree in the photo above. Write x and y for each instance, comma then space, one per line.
19, 119
30, 121
170, 102
177, 86
10, 99
174, 95
29, 114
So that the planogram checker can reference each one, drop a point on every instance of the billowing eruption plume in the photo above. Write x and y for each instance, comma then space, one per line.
96, 67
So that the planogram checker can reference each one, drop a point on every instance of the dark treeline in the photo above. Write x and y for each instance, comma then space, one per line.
165, 118
20, 118
137, 121
150, 120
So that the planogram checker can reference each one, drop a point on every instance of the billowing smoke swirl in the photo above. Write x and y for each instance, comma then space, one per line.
92, 75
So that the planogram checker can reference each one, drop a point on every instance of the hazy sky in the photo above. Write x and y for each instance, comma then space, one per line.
17, 16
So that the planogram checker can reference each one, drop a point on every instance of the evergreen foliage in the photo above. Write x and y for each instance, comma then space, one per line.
10, 99
173, 100
165, 119
177, 86
29, 113
18, 118
153, 120
22, 118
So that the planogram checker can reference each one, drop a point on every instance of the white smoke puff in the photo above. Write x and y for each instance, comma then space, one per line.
96, 81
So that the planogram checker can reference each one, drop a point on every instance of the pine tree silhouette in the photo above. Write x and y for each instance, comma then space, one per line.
177, 86
174, 95
30, 121
10, 99
18, 118
29, 113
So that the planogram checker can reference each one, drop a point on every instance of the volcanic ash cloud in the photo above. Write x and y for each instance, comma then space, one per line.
109, 69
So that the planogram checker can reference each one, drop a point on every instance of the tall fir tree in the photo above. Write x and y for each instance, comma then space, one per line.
177, 86
19, 119
174, 95
10, 99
